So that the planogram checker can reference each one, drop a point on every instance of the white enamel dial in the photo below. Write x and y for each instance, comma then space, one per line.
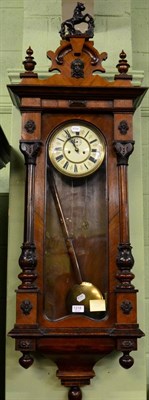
76, 149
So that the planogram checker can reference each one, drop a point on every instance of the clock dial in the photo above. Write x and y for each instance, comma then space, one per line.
76, 149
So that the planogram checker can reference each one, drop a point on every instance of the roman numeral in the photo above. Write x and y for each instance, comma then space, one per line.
58, 149
60, 139
94, 150
86, 134
67, 133
75, 168
60, 157
65, 166
85, 166
93, 141
92, 159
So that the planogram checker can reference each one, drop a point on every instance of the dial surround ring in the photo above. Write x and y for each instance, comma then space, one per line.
76, 148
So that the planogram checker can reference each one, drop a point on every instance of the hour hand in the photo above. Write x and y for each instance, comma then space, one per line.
71, 140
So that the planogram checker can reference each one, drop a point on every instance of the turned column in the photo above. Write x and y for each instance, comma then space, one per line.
28, 260
125, 259
126, 309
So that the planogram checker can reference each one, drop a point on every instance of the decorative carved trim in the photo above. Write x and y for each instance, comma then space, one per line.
77, 68
30, 126
123, 150
123, 127
77, 103
68, 27
26, 307
128, 344
93, 61
125, 262
77, 331
25, 344
126, 306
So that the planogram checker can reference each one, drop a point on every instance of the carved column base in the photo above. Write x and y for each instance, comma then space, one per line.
125, 262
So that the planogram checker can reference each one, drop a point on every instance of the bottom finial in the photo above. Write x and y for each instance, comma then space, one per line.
26, 360
126, 361
75, 393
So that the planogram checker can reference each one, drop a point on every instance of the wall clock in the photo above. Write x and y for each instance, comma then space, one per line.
76, 301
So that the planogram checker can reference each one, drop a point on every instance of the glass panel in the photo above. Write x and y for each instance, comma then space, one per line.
76, 245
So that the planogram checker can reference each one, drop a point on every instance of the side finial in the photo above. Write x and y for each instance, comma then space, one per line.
29, 65
123, 67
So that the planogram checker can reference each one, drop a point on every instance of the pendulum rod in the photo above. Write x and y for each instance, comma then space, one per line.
68, 240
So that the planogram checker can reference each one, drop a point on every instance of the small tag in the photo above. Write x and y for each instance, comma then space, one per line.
97, 305
78, 309
75, 128
81, 297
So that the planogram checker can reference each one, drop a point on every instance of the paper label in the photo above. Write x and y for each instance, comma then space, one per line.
78, 309
81, 297
75, 128
97, 305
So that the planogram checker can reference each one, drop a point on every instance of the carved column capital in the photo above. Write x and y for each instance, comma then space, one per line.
123, 150
30, 150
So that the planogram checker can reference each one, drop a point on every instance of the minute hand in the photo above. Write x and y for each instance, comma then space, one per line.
72, 140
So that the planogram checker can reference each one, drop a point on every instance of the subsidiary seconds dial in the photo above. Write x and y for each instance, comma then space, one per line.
76, 149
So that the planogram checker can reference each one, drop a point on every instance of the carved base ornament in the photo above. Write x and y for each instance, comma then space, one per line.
76, 302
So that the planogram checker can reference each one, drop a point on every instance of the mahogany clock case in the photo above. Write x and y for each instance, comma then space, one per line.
76, 252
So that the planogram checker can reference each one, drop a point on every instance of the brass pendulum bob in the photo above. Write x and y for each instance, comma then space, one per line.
80, 295
82, 292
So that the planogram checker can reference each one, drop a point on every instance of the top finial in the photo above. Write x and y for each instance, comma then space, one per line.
68, 26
